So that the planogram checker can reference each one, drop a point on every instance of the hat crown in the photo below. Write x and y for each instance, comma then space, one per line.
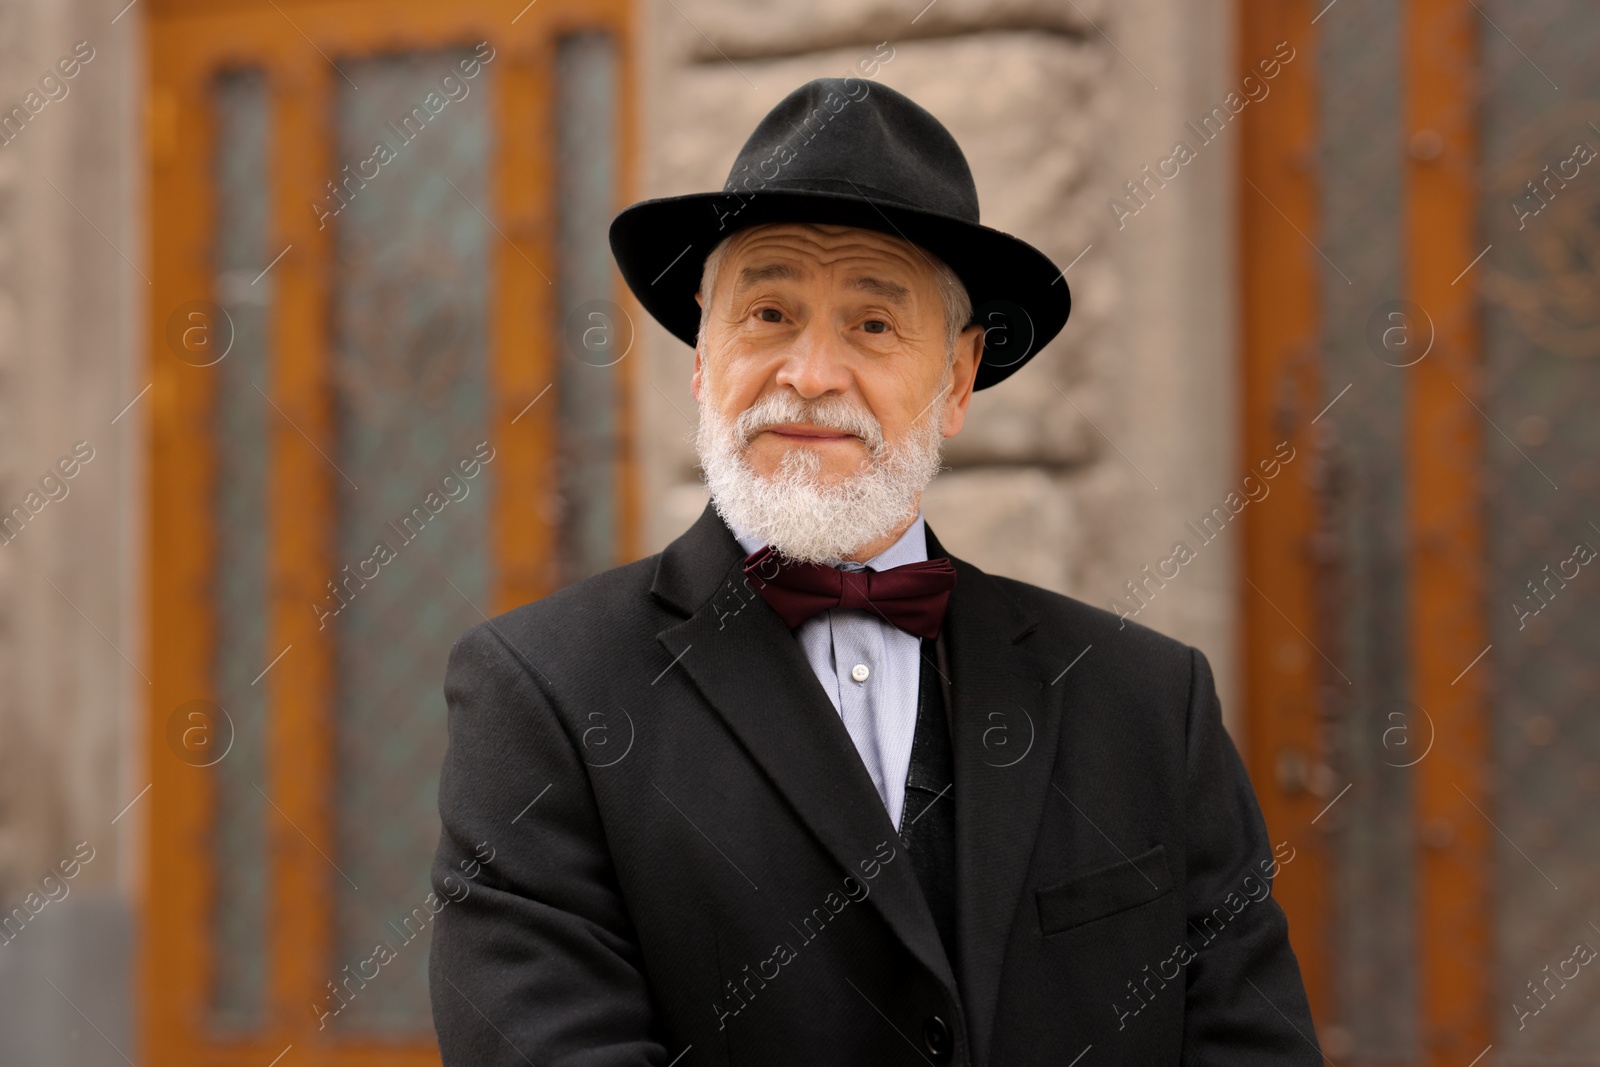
849, 152
850, 136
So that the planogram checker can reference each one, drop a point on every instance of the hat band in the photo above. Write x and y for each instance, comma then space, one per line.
842, 187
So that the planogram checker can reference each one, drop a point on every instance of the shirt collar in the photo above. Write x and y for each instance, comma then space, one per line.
912, 547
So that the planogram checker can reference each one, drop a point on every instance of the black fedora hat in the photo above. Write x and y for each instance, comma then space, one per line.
855, 153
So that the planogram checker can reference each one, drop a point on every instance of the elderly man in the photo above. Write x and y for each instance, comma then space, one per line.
804, 788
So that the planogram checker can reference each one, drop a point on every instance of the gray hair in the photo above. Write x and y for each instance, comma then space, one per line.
953, 294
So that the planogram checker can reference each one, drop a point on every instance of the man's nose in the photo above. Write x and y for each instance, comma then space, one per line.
817, 362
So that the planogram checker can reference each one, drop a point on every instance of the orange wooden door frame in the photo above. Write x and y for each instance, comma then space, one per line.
1446, 554
189, 42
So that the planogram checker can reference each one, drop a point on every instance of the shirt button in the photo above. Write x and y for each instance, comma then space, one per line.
860, 672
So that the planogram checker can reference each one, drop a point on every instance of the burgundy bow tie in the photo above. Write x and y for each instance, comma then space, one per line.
913, 596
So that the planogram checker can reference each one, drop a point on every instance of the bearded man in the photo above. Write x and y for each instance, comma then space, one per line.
803, 788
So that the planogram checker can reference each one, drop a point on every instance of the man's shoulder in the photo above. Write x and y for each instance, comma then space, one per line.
1065, 623
602, 608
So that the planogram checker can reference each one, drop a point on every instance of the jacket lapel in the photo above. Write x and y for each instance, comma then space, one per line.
752, 671
1006, 722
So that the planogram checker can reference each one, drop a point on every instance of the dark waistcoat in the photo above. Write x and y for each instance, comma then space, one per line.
928, 819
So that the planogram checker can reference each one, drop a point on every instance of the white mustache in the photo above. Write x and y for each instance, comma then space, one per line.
828, 413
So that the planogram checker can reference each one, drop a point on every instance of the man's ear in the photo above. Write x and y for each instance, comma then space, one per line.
964, 372
699, 348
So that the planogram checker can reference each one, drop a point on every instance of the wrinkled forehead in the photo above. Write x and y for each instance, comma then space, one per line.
849, 256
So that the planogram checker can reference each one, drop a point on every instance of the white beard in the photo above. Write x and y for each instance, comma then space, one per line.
807, 521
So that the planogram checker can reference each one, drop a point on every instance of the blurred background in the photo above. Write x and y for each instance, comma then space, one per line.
312, 355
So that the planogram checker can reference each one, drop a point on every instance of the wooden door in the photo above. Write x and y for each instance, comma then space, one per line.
1364, 599
1420, 309
373, 225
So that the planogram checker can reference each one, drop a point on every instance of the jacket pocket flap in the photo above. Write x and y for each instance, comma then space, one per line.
1106, 891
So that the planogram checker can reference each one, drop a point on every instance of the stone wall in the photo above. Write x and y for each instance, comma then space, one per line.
71, 691
1083, 469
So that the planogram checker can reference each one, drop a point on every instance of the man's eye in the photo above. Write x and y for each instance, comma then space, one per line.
875, 326
770, 315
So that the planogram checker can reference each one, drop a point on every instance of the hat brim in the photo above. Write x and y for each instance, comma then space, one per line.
1018, 295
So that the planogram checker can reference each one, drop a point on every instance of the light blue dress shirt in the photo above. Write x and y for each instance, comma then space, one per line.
870, 669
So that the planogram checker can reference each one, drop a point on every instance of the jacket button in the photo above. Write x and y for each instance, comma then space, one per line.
936, 1038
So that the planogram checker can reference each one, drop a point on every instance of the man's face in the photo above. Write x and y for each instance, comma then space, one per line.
851, 317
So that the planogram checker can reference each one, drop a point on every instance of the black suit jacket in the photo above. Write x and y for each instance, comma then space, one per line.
689, 863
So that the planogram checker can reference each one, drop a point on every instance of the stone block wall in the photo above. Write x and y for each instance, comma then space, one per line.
72, 686
1078, 472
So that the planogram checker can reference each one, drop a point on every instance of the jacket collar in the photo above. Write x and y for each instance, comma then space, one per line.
1006, 717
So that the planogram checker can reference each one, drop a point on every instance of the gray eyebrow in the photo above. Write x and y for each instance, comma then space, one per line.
767, 273
891, 291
